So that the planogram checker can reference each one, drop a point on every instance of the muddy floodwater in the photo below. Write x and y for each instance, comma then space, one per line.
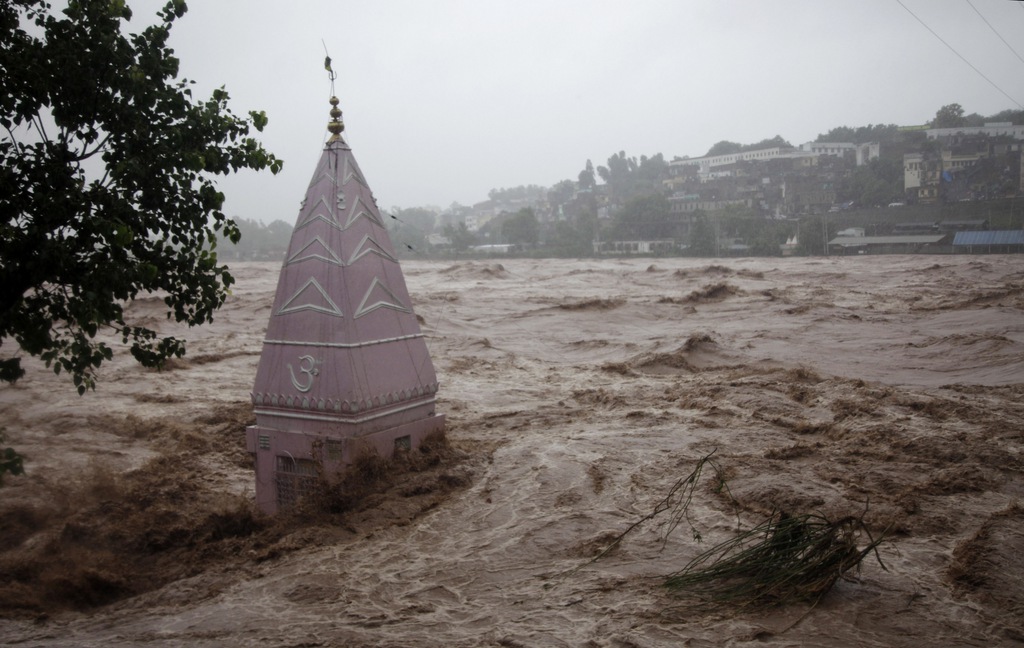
577, 392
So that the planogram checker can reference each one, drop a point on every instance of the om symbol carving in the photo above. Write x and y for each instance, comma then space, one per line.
309, 369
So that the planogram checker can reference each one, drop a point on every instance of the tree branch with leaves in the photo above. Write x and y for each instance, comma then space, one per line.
107, 185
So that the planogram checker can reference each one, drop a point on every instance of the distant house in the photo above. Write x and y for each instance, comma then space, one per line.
663, 246
477, 219
972, 163
851, 231
494, 248
438, 240
862, 153
807, 194
682, 202
888, 244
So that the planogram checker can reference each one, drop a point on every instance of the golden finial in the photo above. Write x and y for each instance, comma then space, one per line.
335, 126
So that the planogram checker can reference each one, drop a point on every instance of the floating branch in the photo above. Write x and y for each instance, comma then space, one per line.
676, 502
782, 560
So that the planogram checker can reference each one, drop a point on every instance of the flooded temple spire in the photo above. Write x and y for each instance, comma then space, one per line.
345, 367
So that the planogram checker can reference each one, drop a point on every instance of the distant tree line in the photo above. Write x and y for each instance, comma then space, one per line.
728, 148
513, 194
258, 242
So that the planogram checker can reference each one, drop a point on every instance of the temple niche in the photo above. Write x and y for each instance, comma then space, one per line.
345, 367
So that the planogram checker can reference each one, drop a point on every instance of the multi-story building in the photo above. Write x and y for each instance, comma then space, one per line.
967, 166
720, 166
807, 193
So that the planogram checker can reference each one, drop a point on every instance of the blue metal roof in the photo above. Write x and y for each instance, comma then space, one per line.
994, 237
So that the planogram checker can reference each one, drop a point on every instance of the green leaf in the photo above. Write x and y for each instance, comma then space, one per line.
259, 119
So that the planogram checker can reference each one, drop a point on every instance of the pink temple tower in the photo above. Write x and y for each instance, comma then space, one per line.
345, 368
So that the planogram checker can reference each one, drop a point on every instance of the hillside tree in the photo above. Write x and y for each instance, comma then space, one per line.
573, 237
646, 217
949, 116
107, 185
703, 238
587, 179
561, 193
460, 236
771, 142
521, 228
724, 147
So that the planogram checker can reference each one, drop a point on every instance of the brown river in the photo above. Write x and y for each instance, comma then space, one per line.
577, 392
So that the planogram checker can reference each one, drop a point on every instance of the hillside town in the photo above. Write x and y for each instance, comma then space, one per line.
953, 185
880, 189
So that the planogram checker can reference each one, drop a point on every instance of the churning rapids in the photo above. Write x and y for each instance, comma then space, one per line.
577, 393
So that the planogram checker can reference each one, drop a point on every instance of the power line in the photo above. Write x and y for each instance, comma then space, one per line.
994, 29
952, 49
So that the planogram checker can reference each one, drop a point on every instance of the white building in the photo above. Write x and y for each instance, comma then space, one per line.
710, 167
863, 153
992, 130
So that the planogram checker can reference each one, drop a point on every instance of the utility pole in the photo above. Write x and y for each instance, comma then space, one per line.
824, 236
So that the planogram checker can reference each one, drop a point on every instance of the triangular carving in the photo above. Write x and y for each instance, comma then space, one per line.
325, 170
384, 299
360, 210
315, 249
312, 297
352, 171
321, 211
369, 246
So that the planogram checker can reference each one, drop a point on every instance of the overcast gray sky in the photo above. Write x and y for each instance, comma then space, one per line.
444, 100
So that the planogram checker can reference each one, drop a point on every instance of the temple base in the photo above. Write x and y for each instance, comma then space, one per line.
290, 465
